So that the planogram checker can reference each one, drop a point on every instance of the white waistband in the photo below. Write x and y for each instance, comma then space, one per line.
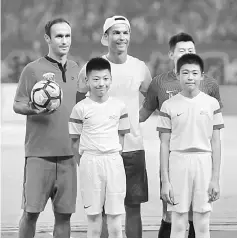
99, 153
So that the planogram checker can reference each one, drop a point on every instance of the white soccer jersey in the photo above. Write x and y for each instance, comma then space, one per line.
98, 125
190, 121
127, 80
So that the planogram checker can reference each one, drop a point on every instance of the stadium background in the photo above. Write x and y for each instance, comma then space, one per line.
212, 23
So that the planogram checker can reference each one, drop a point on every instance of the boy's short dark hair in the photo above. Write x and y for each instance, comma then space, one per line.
97, 63
49, 24
190, 59
179, 38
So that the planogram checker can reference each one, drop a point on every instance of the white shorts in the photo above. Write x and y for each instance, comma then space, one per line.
102, 183
190, 175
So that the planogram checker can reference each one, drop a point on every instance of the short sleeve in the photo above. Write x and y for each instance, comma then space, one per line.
81, 82
75, 122
146, 80
151, 100
164, 119
26, 82
124, 123
218, 122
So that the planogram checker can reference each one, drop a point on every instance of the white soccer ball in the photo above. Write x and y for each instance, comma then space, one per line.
46, 94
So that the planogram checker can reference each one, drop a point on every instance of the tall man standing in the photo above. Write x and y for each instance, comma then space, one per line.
129, 77
163, 87
50, 168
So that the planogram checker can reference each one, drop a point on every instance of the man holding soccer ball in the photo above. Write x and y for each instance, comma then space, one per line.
50, 168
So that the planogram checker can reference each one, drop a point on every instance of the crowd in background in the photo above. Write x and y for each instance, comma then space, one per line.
208, 21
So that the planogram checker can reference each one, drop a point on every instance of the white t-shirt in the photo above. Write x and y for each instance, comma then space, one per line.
127, 80
98, 125
190, 121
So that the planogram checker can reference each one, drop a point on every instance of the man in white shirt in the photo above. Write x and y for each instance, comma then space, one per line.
129, 77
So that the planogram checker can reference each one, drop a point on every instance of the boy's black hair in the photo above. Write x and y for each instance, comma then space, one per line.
179, 38
97, 63
190, 59
49, 24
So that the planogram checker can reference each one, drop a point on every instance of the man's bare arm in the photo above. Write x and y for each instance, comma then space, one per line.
144, 114
24, 108
121, 141
75, 149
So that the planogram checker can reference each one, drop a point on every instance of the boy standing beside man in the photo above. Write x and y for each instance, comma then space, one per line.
131, 77
163, 87
190, 150
97, 127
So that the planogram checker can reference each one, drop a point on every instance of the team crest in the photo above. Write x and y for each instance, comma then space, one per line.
49, 76
171, 93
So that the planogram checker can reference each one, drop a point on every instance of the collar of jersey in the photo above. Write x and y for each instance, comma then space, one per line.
60, 66
58, 63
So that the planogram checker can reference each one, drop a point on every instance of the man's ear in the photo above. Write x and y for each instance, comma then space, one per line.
202, 76
170, 55
47, 38
106, 36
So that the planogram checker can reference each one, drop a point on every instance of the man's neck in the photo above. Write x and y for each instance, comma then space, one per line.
117, 58
60, 59
175, 68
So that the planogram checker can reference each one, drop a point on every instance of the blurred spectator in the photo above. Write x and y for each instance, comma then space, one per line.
209, 21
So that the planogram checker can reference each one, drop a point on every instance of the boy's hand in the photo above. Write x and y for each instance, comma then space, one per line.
214, 191
167, 193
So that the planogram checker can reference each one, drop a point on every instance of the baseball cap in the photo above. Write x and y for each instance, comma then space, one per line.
109, 22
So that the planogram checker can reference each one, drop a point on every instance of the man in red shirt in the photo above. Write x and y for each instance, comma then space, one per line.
50, 168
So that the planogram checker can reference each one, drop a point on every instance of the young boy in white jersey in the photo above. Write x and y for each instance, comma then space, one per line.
190, 124
97, 127
163, 87
131, 77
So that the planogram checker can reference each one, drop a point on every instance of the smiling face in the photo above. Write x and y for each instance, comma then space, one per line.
99, 82
60, 40
118, 37
181, 48
190, 76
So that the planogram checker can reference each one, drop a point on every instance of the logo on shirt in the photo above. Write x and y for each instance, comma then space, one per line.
113, 117
203, 112
171, 93
72, 78
179, 114
49, 76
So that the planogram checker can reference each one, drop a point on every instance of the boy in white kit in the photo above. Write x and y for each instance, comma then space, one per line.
97, 127
131, 77
190, 124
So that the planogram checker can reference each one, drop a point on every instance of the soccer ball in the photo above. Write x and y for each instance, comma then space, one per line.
46, 94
